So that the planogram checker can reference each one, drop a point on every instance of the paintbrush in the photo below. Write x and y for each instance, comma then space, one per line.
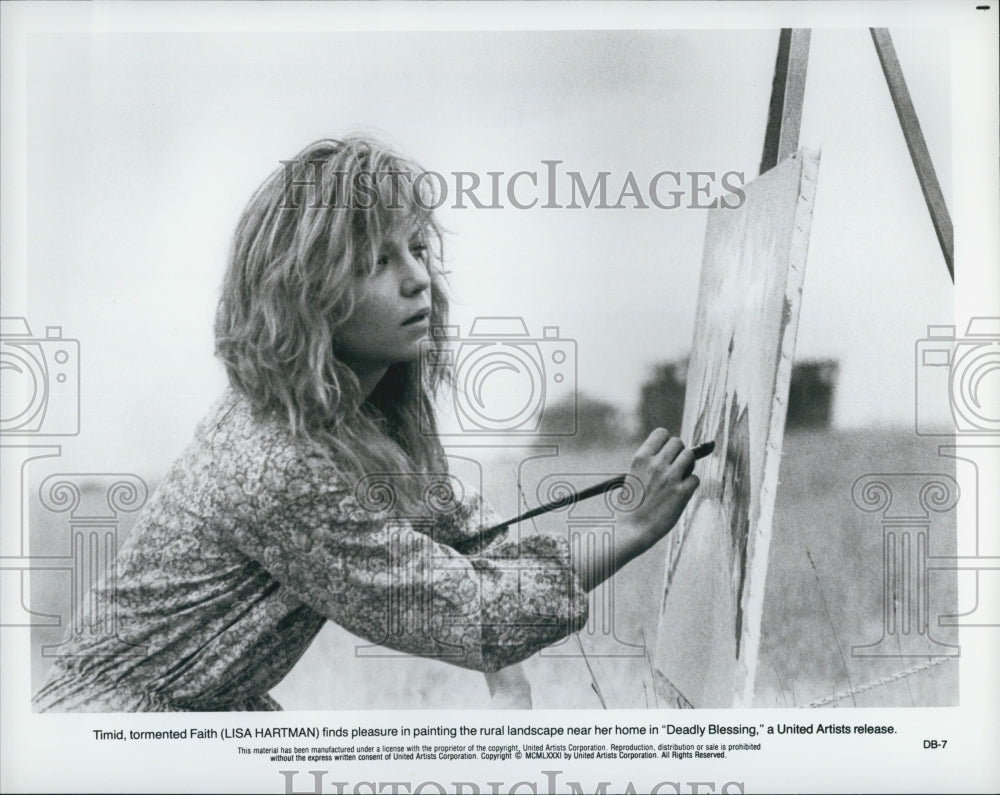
487, 535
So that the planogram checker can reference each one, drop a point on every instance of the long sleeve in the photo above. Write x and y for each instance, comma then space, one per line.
393, 581
254, 539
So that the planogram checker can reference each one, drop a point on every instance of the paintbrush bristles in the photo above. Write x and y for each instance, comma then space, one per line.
703, 449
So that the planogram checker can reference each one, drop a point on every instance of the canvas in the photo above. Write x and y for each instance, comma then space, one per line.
737, 389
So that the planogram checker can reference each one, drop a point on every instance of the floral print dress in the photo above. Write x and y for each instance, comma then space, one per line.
255, 539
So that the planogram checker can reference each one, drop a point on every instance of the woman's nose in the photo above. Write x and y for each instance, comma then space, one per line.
416, 277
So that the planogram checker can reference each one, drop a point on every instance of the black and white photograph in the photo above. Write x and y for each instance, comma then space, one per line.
499, 397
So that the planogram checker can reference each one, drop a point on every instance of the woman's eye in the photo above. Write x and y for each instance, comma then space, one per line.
382, 261
419, 250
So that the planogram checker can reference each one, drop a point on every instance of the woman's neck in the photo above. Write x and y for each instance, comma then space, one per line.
368, 378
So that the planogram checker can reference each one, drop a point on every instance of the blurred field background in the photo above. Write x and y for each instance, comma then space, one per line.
824, 594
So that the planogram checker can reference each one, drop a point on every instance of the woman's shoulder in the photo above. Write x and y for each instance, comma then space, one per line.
258, 449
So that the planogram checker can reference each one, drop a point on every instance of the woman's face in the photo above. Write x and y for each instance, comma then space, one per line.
392, 312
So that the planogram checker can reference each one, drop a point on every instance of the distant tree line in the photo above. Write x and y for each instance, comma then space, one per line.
601, 424
810, 395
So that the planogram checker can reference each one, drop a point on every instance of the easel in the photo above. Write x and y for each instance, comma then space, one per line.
718, 586
785, 118
781, 141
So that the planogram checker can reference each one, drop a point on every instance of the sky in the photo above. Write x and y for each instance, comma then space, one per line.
144, 147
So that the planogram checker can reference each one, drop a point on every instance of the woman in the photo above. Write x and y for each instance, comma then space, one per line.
273, 521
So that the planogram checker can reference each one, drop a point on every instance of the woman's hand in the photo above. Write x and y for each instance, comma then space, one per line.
665, 469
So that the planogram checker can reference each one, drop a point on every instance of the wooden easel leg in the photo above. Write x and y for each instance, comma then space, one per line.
784, 117
916, 144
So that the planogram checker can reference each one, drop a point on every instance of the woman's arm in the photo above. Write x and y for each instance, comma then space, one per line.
383, 579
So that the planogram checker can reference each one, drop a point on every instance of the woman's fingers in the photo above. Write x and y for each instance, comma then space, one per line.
669, 452
683, 464
653, 444
659, 449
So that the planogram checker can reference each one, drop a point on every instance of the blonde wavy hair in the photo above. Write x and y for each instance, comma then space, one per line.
302, 249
